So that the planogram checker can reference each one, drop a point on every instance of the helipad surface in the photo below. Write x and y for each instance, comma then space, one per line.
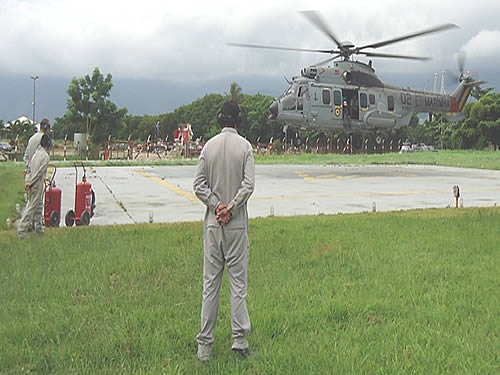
126, 195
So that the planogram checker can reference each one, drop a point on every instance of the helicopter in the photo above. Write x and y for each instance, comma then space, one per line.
347, 95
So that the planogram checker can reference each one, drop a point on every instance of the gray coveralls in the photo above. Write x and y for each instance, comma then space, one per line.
225, 174
35, 178
33, 145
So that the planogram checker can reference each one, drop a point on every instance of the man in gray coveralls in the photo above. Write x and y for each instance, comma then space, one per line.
34, 184
224, 181
31, 148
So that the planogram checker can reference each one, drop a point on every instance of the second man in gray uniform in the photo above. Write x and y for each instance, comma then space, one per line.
31, 148
224, 181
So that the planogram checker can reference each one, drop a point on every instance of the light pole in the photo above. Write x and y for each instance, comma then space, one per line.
34, 78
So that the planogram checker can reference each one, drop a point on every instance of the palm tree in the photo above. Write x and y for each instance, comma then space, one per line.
235, 92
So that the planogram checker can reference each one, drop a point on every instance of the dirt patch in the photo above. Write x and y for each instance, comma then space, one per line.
328, 248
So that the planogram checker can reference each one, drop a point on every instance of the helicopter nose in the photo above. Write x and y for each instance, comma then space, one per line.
273, 108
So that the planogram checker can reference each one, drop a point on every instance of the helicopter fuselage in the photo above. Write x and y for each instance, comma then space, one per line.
350, 96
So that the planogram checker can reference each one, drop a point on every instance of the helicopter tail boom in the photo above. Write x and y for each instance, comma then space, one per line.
462, 92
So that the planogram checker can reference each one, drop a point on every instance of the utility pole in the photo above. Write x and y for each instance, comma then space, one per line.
34, 78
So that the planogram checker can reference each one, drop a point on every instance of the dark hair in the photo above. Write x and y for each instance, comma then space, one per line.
45, 124
46, 141
230, 114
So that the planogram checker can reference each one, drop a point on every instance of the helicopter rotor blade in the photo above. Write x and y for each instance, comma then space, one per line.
328, 60
391, 56
317, 21
409, 36
282, 48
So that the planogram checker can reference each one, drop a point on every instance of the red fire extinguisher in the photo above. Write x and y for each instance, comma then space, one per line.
84, 201
52, 202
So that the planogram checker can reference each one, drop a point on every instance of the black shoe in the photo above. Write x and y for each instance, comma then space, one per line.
242, 353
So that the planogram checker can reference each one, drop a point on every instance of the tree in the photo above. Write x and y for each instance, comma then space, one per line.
20, 130
235, 92
89, 108
477, 92
3, 130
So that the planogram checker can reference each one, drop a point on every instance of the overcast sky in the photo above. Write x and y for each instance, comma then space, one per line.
178, 40
163, 54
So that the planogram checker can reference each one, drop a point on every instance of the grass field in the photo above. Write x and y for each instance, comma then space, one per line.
467, 159
387, 293
413, 292
11, 191
464, 159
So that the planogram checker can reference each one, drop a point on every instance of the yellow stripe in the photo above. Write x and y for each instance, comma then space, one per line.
305, 176
171, 187
464, 98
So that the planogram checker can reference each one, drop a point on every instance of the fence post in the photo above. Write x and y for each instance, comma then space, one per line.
65, 140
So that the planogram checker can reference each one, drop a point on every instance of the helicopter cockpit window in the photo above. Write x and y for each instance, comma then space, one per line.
300, 94
371, 97
390, 103
337, 98
326, 96
363, 102
291, 89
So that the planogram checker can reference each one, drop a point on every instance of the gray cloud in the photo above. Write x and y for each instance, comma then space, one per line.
154, 39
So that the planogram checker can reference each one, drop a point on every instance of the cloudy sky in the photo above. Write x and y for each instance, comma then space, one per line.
183, 42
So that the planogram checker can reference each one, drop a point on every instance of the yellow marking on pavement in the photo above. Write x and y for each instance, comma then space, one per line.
347, 177
305, 176
169, 186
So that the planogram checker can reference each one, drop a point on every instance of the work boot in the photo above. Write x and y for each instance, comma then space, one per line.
240, 348
243, 353
204, 352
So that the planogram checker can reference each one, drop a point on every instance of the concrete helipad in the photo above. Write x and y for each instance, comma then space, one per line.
126, 195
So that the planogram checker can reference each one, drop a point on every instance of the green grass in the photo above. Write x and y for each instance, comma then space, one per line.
11, 191
385, 293
388, 293
465, 159
450, 158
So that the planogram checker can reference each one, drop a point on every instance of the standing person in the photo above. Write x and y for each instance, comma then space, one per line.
35, 186
33, 144
224, 181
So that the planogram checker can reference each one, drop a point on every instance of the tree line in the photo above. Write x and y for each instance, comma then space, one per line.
90, 110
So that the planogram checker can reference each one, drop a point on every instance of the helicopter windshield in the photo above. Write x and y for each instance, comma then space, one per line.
291, 89
292, 97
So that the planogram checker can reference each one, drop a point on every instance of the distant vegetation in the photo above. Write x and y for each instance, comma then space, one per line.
480, 128
89, 105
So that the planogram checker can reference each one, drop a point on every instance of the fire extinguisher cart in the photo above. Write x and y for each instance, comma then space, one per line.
52, 202
84, 201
